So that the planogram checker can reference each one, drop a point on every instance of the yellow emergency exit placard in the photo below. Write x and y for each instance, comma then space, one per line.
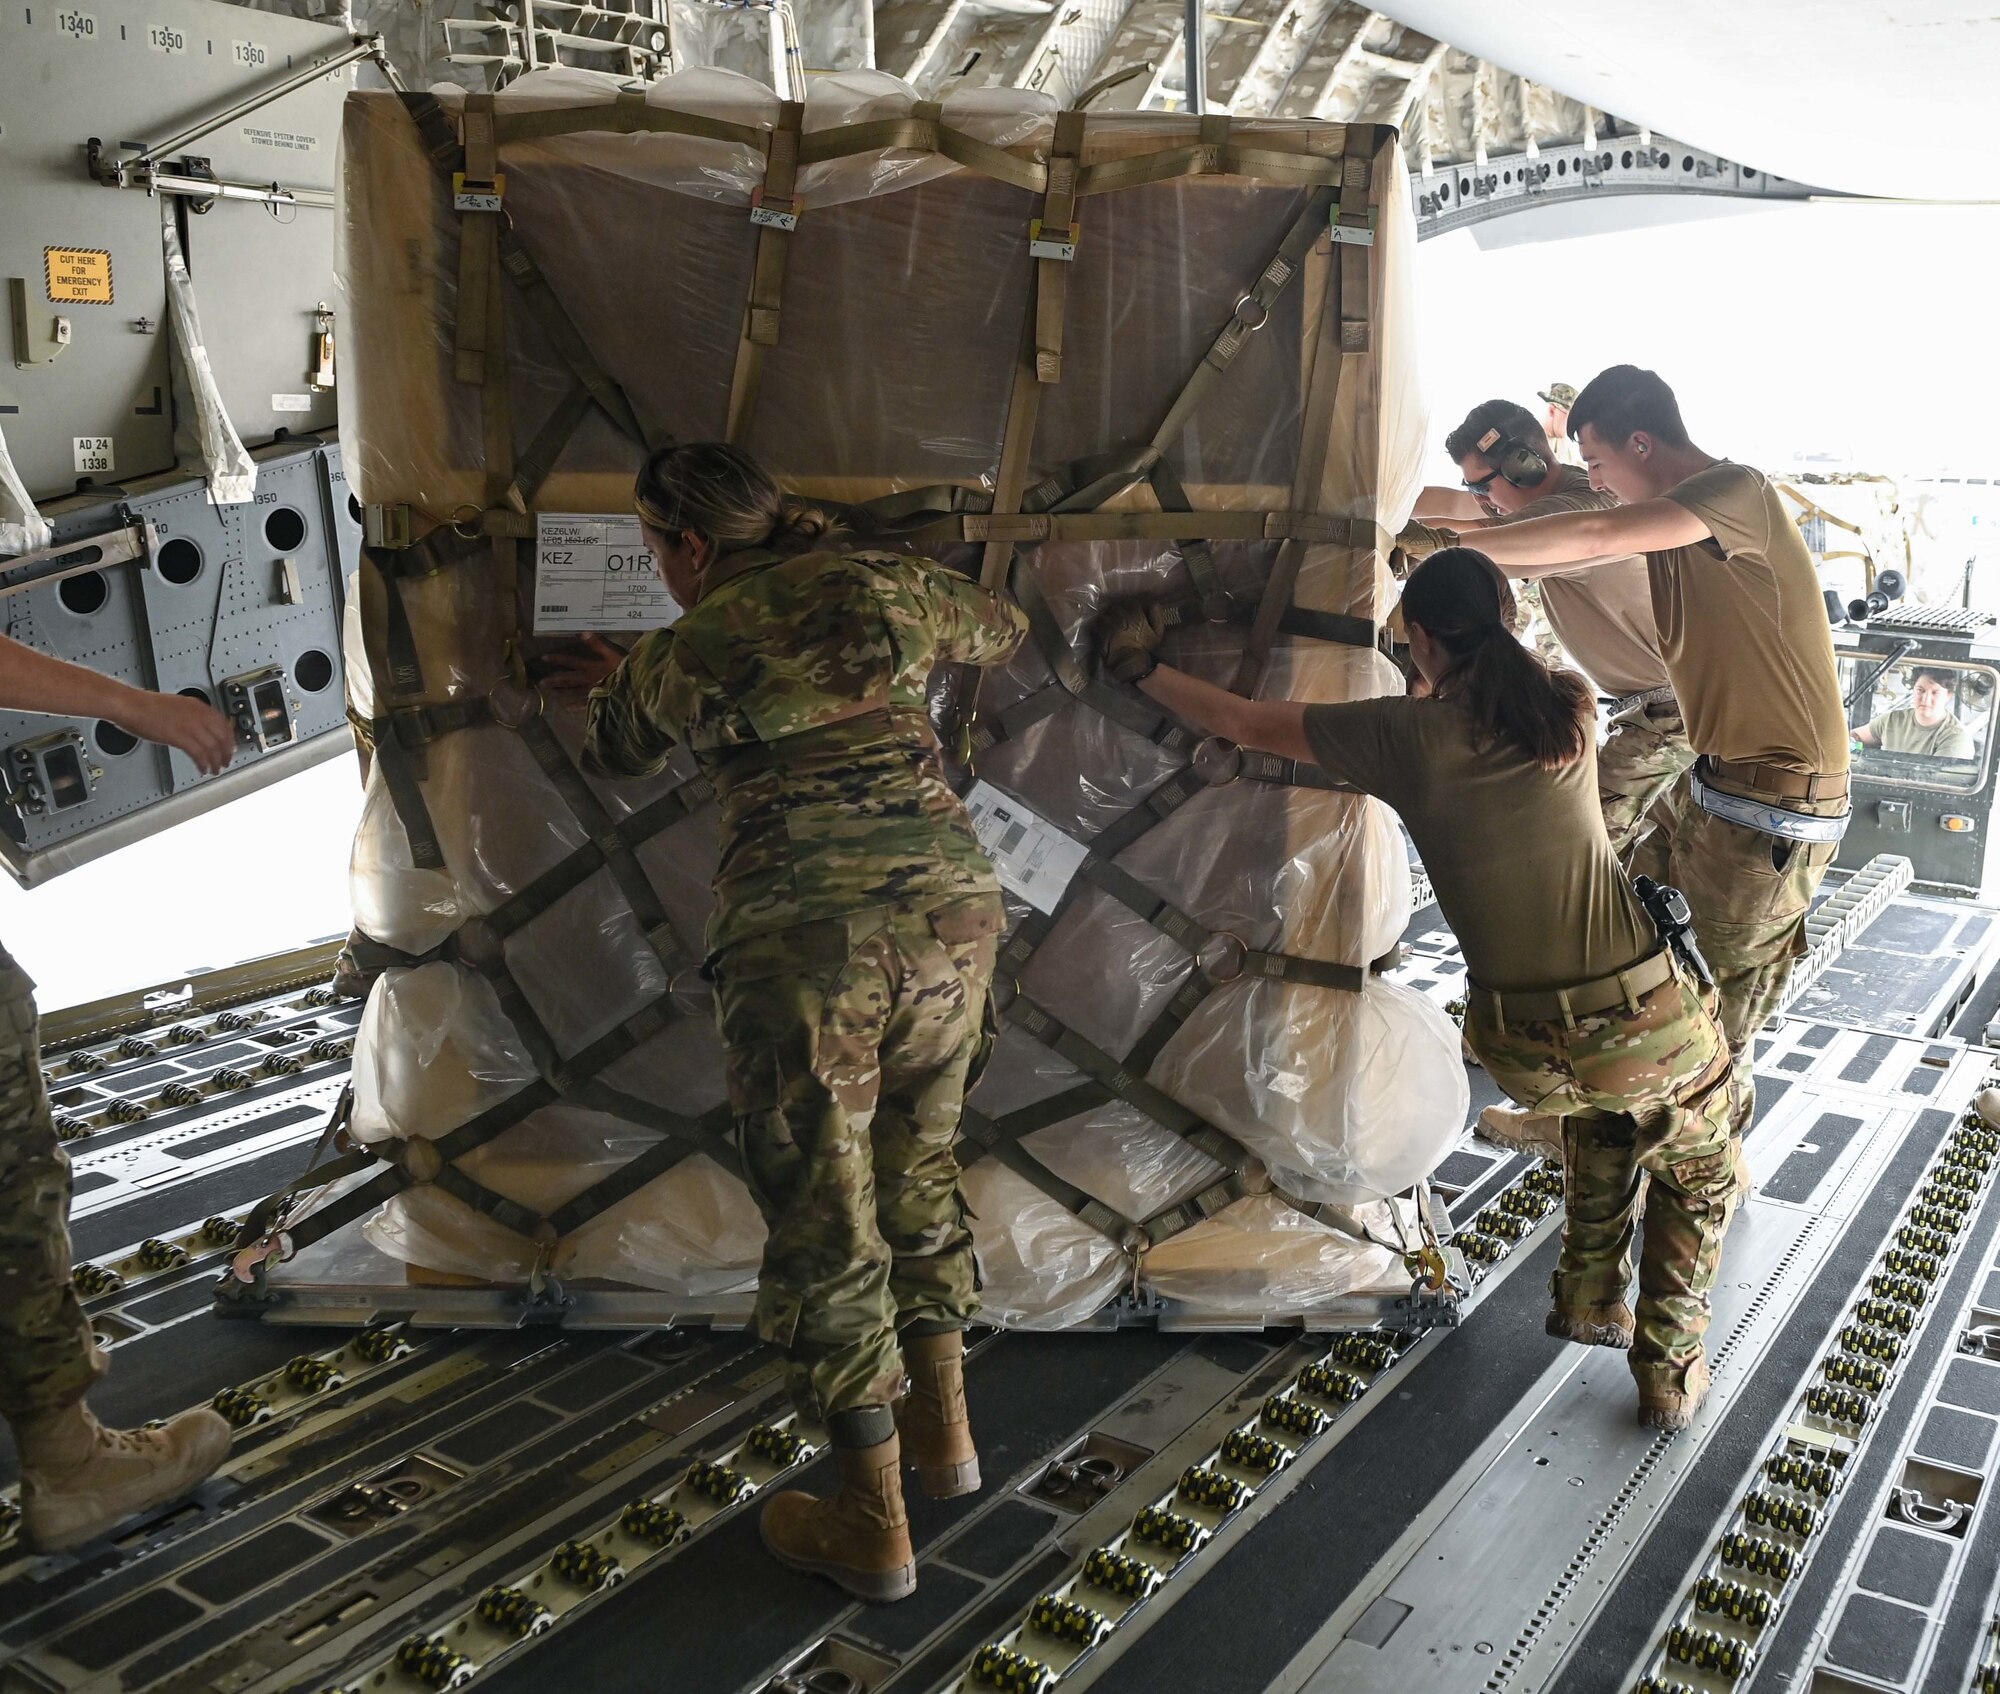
78, 276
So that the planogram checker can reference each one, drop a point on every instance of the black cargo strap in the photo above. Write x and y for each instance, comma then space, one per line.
1125, 708
998, 1141
1023, 715
610, 843
1289, 773
447, 157
1125, 1084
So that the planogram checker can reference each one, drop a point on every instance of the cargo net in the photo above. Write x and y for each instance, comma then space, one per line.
1198, 1089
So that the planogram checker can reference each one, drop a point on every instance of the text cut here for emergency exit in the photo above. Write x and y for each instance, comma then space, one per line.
78, 276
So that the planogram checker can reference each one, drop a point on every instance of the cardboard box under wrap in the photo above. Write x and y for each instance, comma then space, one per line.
899, 350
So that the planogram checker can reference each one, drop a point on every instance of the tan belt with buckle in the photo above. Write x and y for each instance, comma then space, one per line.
1545, 1005
1763, 780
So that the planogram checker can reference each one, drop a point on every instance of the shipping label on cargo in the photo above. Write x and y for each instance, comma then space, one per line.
595, 573
1035, 859
94, 454
78, 276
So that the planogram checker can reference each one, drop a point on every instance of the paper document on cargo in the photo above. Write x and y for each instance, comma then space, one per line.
1208, 400
596, 573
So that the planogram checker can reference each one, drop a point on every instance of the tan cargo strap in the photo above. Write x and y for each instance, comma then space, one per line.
627, 115
1289, 773
447, 156
1196, 554
775, 213
1622, 988
532, 467
1212, 154
1346, 295
1769, 781
1313, 163
1017, 443
1056, 234
556, 323
1251, 314
923, 131
478, 252
1315, 527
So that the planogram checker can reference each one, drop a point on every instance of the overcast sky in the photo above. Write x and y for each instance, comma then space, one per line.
1860, 331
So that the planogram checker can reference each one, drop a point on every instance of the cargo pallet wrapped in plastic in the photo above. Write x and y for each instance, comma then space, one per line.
1079, 356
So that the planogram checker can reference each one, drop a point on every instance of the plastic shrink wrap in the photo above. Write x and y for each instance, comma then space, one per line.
550, 1011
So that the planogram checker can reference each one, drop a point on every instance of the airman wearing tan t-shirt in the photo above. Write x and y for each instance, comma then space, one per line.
1603, 615
1744, 633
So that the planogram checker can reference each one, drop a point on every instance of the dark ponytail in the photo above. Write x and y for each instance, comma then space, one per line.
725, 497
1464, 604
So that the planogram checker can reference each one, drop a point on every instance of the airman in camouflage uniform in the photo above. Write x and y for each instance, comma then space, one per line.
1742, 629
852, 946
48, 1357
1641, 1094
77, 1478
1573, 1003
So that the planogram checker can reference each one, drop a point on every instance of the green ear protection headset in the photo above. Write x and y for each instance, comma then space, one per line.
1519, 464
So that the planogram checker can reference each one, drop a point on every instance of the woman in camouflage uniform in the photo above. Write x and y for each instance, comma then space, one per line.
1575, 1005
852, 944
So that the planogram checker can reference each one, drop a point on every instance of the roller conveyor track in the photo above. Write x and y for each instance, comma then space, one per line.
1470, 1507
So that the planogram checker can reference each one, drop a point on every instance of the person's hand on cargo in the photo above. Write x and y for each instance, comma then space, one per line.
1421, 540
1128, 639
578, 666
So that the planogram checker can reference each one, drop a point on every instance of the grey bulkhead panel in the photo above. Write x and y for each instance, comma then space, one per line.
223, 594
214, 593
69, 73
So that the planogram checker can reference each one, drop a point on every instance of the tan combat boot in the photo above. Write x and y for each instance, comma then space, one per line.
1539, 1133
860, 1536
1593, 1326
1669, 1397
936, 1431
79, 1478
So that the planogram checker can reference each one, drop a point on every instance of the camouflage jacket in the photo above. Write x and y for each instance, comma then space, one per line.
798, 683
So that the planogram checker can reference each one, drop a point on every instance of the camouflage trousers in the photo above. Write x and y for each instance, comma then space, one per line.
1647, 1152
850, 1046
48, 1357
1750, 893
1642, 758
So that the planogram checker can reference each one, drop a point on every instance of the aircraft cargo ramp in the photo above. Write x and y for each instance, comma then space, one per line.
1466, 1508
